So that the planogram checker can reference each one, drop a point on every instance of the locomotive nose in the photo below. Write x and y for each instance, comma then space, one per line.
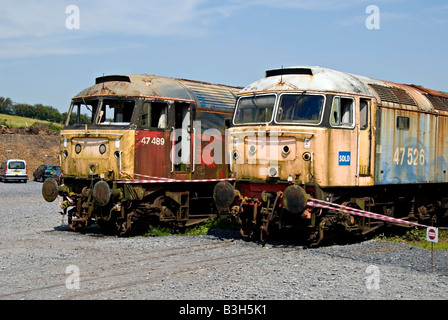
295, 199
223, 194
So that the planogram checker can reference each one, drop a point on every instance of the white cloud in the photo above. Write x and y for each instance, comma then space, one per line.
39, 27
29, 18
29, 27
314, 5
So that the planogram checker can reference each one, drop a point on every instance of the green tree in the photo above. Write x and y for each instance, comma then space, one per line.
5, 105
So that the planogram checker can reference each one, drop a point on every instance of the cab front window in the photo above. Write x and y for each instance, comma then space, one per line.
300, 108
116, 112
254, 109
82, 112
100, 112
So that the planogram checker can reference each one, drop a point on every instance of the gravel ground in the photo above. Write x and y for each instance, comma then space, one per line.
41, 259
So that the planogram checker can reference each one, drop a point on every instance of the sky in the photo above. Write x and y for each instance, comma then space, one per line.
52, 49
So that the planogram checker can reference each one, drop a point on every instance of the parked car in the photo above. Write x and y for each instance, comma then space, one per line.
45, 171
14, 170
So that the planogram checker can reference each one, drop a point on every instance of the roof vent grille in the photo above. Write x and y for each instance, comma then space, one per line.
439, 102
112, 78
280, 72
394, 95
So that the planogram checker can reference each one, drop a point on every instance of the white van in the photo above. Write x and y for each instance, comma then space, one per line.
14, 169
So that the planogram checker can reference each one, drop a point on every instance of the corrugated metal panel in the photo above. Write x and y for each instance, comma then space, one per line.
406, 156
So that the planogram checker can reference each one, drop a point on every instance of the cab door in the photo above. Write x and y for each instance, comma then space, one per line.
364, 128
152, 141
181, 138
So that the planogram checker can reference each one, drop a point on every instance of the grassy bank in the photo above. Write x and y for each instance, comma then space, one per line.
23, 122
417, 237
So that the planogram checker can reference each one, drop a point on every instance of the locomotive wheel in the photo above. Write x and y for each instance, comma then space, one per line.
247, 222
267, 215
109, 227
75, 226
247, 229
264, 228
263, 234
136, 221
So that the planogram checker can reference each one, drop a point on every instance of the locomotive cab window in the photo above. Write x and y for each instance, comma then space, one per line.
254, 109
153, 115
300, 108
82, 112
116, 112
342, 112
363, 114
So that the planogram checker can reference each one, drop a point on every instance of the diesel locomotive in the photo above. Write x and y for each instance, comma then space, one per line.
306, 132
139, 149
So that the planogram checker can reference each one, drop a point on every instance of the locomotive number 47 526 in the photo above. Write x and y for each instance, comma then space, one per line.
414, 156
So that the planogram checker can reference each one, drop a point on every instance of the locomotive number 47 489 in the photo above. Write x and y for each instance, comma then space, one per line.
153, 140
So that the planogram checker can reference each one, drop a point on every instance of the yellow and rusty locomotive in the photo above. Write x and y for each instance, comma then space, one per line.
365, 143
141, 147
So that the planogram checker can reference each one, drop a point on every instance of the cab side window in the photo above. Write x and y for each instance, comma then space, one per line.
342, 112
153, 115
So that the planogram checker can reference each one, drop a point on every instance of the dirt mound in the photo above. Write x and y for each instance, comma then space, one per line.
36, 130
31, 144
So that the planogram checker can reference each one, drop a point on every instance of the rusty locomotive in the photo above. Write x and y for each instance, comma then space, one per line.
138, 149
312, 132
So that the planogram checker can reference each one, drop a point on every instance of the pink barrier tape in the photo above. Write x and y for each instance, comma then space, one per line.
334, 206
163, 180
142, 175
171, 180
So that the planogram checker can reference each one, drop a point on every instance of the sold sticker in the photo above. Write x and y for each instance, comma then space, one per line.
344, 158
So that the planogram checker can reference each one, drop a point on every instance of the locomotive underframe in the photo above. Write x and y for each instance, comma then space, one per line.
258, 218
125, 209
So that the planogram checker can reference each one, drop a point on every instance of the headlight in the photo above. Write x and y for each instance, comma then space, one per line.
306, 156
252, 149
272, 171
102, 148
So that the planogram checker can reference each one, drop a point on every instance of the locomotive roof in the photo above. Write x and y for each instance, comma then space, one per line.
314, 78
207, 95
